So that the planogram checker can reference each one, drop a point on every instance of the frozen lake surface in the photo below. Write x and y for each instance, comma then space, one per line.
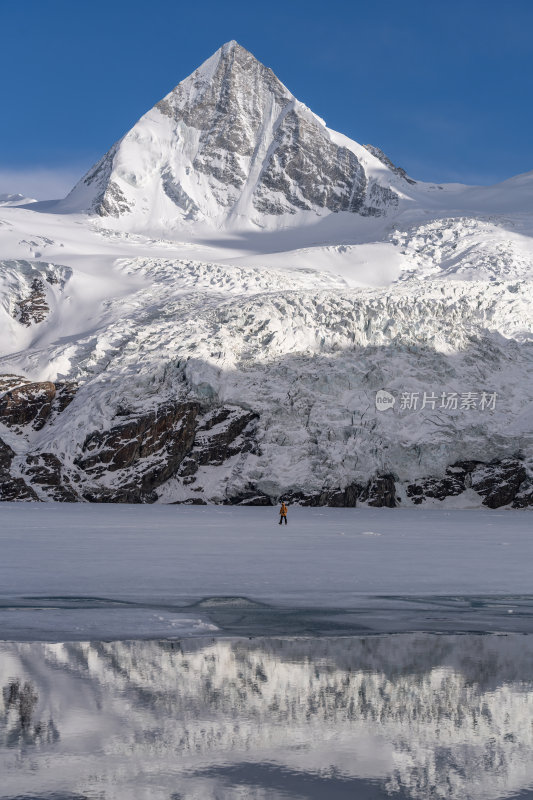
79, 572
206, 653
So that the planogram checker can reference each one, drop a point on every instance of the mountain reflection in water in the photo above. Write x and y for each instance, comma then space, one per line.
407, 716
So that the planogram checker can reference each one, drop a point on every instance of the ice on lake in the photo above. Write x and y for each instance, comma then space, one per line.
202, 653
114, 571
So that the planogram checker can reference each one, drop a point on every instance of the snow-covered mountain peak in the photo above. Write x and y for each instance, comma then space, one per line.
18, 199
227, 75
231, 146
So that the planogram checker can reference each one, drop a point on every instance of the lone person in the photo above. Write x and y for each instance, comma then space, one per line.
283, 513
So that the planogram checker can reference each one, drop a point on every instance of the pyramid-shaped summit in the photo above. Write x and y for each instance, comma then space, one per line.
229, 146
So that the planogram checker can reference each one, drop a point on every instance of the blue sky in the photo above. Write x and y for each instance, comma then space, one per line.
444, 87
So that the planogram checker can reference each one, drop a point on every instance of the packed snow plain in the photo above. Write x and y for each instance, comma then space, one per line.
85, 572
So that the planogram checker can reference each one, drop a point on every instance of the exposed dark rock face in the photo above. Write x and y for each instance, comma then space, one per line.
524, 496
344, 498
184, 440
334, 498
23, 402
33, 308
65, 393
17, 489
171, 427
12, 488
436, 488
307, 170
31, 402
249, 497
221, 434
302, 498
146, 450
6, 457
46, 470
141, 451
380, 491
500, 483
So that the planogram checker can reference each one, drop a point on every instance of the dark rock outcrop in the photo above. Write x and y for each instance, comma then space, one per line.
249, 497
380, 492
438, 488
221, 434
23, 402
333, 498
46, 470
34, 307
16, 489
524, 497
300, 498
181, 439
12, 488
31, 402
6, 457
145, 450
171, 428
499, 483
65, 393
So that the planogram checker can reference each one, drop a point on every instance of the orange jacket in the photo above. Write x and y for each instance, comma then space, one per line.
283, 510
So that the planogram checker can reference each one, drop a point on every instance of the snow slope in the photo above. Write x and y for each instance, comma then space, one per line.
232, 250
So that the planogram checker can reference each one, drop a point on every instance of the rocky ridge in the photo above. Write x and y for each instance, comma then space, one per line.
231, 143
141, 452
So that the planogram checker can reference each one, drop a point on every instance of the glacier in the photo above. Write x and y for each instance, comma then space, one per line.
210, 313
